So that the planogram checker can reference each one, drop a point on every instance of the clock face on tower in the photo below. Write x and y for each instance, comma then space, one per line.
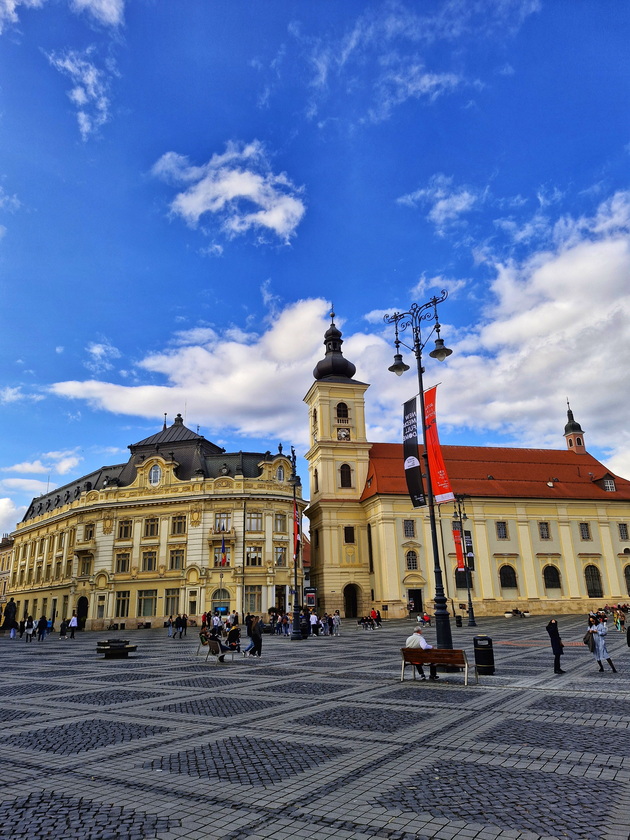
343, 434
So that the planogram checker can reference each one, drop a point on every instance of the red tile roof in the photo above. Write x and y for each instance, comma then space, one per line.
501, 473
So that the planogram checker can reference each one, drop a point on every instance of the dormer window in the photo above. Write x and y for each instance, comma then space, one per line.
609, 485
155, 475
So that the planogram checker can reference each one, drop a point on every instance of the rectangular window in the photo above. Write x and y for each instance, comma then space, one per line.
149, 561
171, 601
122, 604
218, 555
147, 602
280, 523
316, 538
253, 599
254, 521
543, 531
48, 573
88, 533
124, 529
623, 531
178, 524
502, 530
409, 527
122, 563
585, 531
253, 556
60, 541
222, 521
85, 567
58, 570
69, 568
348, 534
461, 577
71, 537
151, 527
281, 555
176, 559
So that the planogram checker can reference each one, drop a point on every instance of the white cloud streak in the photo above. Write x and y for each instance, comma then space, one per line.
10, 515
228, 186
90, 93
106, 12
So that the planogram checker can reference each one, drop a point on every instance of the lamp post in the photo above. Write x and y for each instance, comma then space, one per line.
412, 321
296, 633
459, 517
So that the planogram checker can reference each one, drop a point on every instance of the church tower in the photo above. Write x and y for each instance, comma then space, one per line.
338, 459
573, 433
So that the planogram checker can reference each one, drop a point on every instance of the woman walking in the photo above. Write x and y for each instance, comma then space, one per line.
556, 645
600, 652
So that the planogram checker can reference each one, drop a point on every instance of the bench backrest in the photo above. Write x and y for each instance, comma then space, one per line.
418, 656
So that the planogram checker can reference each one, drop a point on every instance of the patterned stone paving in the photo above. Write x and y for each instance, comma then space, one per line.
318, 739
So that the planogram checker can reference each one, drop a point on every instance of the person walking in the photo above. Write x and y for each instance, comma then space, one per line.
169, 624
556, 645
42, 627
336, 624
74, 623
29, 628
600, 652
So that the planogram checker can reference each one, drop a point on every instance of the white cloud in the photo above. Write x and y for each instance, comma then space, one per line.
108, 12
24, 485
59, 463
90, 94
11, 203
8, 10
227, 187
27, 467
100, 356
409, 80
447, 203
10, 515
12, 395
249, 383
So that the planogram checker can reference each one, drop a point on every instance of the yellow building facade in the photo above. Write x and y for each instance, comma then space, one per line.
181, 527
548, 530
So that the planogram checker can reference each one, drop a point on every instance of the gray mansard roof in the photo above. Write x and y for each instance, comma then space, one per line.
194, 455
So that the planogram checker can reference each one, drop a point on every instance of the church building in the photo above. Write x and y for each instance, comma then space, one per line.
546, 530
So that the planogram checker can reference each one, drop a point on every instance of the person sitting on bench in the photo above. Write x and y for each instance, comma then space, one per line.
417, 640
214, 633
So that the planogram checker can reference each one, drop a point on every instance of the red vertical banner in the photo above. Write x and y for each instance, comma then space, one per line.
459, 549
296, 531
442, 490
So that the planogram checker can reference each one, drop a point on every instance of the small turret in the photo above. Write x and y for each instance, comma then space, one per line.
334, 363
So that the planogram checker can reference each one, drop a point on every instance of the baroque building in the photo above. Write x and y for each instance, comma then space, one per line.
181, 527
547, 530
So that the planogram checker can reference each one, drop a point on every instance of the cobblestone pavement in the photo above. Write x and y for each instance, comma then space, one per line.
318, 739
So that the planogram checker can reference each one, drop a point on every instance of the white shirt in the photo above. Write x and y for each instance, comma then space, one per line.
418, 641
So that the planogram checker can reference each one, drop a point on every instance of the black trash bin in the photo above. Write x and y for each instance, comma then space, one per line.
458, 621
484, 655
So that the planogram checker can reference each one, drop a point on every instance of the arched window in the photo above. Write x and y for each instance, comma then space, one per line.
626, 574
551, 577
345, 475
280, 474
578, 441
155, 475
570, 443
315, 422
507, 577
220, 601
315, 481
593, 582
412, 560
342, 410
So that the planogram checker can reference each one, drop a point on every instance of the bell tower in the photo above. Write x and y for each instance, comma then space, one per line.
573, 433
338, 459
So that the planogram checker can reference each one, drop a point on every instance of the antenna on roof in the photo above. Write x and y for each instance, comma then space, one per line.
164, 427
197, 428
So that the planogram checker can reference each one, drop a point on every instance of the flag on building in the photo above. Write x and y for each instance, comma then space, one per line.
442, 490
296, 531
223, 554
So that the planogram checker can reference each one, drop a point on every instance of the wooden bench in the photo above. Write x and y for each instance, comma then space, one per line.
213, 649
115, 648
435, 656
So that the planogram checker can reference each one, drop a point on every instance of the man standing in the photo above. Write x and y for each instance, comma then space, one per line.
417, 640
74, 623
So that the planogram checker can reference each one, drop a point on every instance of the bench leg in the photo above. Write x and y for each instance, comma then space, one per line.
465, 674
402, 672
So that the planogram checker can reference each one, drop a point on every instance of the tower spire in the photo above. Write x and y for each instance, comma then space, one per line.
573, 433
333, 363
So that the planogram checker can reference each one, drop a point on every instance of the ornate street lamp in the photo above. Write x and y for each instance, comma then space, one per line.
411, 321
296, 633
459, 518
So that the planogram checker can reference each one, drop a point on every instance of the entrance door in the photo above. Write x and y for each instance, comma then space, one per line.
414, 597
281, 599
82, 611
350, 600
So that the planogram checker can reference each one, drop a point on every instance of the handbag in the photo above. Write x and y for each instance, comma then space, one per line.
589, 641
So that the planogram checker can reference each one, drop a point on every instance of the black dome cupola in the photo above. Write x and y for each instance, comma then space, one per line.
334, 363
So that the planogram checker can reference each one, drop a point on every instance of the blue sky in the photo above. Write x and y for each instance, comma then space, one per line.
185, 188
